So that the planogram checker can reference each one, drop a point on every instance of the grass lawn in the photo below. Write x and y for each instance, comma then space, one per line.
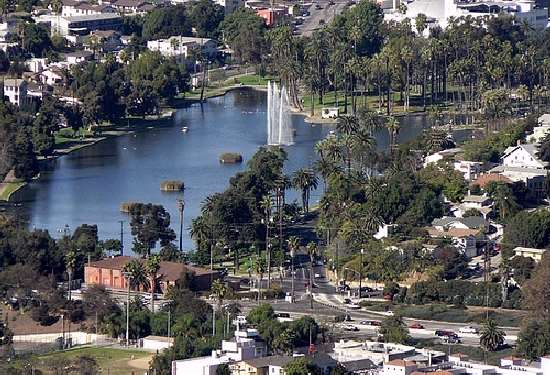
444, 313
6, 190
111, 360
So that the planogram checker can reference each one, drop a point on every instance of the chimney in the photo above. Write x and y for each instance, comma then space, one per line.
518, 142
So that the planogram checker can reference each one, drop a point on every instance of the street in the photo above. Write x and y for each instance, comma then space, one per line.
318, 17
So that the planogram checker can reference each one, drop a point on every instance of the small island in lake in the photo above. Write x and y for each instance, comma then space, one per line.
231, 158
172, 185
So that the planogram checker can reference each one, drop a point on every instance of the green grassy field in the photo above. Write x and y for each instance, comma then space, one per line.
111, 361
8, 189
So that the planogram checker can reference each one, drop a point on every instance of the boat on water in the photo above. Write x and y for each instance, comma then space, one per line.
184, 129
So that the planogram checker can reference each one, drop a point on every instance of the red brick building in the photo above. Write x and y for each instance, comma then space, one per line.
108, 273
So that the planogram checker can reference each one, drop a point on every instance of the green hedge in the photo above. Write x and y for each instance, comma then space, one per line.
455, 292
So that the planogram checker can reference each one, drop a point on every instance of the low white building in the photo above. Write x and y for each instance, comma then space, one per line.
230, 5
183, 47
36, 65
156, 343
529, 252
15, 90
541, 130
245, 345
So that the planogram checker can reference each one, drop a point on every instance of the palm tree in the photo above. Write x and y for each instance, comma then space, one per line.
326, 168
259, 267
293, 245
306, 181
219, 290
201, 232
311, 249
136, 274
392, 125
152, 267
504, 200
70, 264
491, 337
266, 205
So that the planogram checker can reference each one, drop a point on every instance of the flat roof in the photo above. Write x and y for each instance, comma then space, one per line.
93, 17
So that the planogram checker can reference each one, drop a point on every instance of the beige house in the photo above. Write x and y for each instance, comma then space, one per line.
529, 252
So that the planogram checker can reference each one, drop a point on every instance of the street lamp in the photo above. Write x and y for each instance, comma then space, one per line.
127, 278
181, 207
360, 270
292, 274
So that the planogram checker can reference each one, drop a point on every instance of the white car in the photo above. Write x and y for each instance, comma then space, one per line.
468, 329
354, 306
350, 327
389, 313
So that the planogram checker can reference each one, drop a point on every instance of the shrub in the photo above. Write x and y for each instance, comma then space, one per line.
452, 291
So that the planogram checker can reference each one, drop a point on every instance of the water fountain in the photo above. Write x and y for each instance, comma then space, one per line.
279, 124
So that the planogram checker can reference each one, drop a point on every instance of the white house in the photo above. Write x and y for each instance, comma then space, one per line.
15, 90
470, 169
529, 252
522, 156
52, 76
463, 231
541, 130
181, 46
77, 57
8, 27
84, 25
245, 345
36, 65
481, 203
520, 163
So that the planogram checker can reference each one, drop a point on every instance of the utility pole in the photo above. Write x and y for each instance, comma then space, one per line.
169, 318
486, 276
360, 270
181, 207
121, 237
127, 278
292, 274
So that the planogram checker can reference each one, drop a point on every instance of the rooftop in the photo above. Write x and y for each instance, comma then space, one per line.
528, 250
93, 17
13, 81
472, 222
453, 232
401, 363
486, 178
170, 271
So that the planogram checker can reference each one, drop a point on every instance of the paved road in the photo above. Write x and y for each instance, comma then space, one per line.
325, 310
326, 14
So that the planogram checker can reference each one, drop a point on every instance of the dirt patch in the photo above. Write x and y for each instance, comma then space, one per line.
140, 363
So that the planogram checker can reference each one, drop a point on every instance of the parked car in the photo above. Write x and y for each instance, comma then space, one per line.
416, 325
343, 288
354, 306
468, 329
389, 313
440, 333
350, 327
451, 339
371, 323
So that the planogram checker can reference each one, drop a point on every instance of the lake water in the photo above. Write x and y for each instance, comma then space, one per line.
89, 185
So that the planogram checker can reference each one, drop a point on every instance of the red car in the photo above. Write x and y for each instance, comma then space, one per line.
416, 326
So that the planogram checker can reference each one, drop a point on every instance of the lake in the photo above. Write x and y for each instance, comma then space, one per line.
88, 186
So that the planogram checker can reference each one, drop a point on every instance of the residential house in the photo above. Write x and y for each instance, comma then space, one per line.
441, 155
182, 47
463, 231
230, 5
84, 25
71, 8
481, 203
15, 90
529, 252
36, 65
77, 57
470, 169
133, 7
486, 178
272, 16
520, 163
244, 345
8, 28
274, 365
104, 40
540, 131
52, 76
108, 273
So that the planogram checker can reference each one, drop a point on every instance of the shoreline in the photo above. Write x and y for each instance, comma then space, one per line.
117, 131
